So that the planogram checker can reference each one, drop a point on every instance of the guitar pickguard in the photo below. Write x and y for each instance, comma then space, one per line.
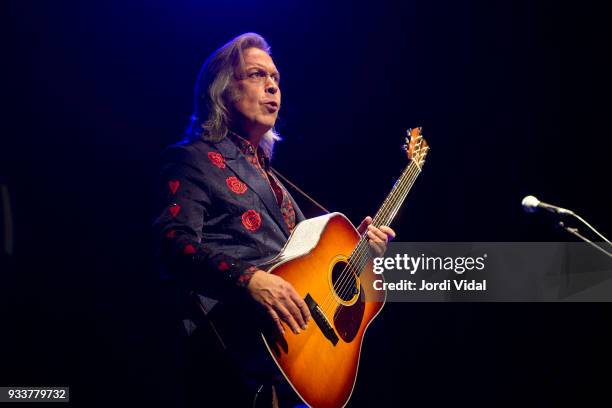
347, 319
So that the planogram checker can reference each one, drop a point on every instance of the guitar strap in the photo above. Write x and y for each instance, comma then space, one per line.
309, 198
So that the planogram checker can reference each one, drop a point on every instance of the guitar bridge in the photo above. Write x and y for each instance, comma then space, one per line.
319, 318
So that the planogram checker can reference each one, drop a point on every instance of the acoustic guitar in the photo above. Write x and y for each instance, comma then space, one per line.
330, 265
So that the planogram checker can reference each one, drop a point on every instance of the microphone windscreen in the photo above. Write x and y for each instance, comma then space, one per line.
530, 203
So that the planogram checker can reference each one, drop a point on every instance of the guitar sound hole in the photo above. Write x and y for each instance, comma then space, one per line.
345, 283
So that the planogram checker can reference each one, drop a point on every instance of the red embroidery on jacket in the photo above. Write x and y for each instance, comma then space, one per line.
171, 234
251, 220
174, 209
189, 249
236, 185
223, 266
217, 159
173, 185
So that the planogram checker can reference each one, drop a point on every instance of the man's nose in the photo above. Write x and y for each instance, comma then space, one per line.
271, 85
272, 89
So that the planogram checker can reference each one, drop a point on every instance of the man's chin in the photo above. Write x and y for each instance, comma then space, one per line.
260, 127
266, 125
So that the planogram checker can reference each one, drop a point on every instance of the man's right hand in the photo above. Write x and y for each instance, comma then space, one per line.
280, 299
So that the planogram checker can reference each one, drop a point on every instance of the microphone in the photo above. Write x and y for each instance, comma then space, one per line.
531, 204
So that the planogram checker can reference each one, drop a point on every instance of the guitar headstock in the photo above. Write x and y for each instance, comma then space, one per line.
416, 146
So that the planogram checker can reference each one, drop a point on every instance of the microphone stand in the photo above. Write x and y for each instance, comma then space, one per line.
574, 231
582, 220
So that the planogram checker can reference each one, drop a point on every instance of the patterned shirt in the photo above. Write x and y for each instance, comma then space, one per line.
257, 158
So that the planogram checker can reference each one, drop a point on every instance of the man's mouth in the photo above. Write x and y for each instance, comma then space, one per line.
271, 105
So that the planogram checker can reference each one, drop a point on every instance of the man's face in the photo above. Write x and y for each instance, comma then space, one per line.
258, 93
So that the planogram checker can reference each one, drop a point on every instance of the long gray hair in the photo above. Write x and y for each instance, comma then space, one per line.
214, 92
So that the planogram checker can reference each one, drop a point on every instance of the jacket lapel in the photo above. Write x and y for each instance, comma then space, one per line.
236, 161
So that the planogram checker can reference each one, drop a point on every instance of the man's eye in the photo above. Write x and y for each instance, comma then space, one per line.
256, 74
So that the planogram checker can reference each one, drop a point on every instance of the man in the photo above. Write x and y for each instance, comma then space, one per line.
225, 213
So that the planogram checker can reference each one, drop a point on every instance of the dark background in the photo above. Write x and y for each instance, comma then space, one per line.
512, 96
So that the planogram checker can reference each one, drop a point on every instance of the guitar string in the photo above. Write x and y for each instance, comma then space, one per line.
386, 217
402, 190
405, 184
340, 285
360, 255
359, 258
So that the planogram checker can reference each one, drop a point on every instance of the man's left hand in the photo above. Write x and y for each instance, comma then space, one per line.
377, 237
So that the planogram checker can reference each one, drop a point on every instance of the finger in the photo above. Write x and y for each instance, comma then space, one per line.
286, 317
302, 305
277, 320
389, 231
295, 311
384, 233
372, 237
377, 245
378, 233
364, 224
378, 248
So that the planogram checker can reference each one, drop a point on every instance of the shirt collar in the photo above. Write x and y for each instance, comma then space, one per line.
247, 148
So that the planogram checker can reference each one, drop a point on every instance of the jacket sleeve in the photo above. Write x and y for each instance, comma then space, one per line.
186, 204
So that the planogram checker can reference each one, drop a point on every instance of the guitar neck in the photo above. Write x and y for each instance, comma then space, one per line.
389, 208
416, 148
387, 211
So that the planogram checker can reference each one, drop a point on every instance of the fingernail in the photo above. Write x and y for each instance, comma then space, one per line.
297, 331
304, 327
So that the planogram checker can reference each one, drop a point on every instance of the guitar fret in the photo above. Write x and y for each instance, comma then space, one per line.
385, 215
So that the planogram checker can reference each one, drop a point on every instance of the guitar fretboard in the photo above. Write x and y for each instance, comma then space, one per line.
386, 214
